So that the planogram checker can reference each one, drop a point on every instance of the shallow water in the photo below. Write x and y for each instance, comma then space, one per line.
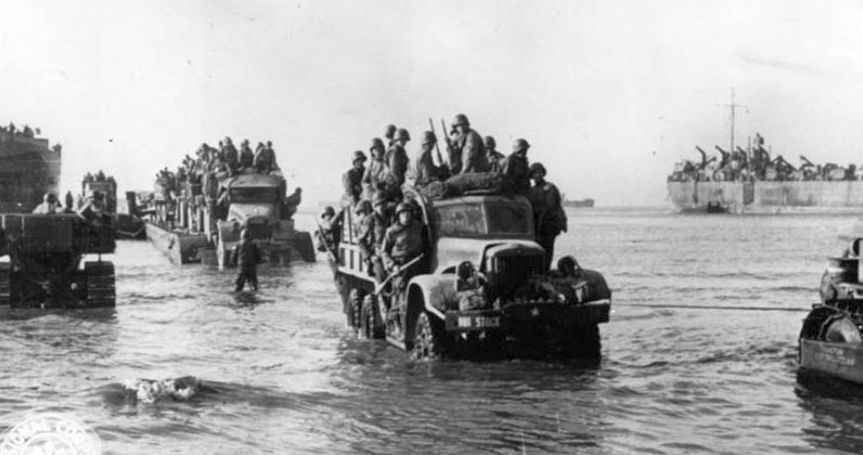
287, 377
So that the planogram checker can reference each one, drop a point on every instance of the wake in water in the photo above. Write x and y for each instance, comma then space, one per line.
148, 391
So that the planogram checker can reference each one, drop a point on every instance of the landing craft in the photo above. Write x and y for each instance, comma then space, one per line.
521, 308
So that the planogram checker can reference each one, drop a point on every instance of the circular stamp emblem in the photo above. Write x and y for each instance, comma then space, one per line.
50, 434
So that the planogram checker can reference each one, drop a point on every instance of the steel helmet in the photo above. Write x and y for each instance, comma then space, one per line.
359, 155
429, 138
390, 131
520, 145
460, 119
376, 142
402, 134
329, 211
534, 167
404, 207
364, 206
489, 142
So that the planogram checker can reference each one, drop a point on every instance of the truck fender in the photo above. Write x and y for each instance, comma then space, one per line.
428, 293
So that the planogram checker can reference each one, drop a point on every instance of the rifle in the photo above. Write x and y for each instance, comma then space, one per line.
398, 272
449, 145
436, 146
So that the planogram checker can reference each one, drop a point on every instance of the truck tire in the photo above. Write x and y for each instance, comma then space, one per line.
354, 306
5, 284
427, 343
371, 325
101, 291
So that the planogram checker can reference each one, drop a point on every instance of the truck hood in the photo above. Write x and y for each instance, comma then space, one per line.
452, 251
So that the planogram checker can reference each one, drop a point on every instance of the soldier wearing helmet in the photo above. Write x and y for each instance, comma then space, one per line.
403, 242
422, 170
467, 153
352, 180
390, 135
376, 170
229, 156
397, 159
515, 166
370, 234
247, 255
549, 219
247, 156
329, 231
265, 159
49, 205
494, 157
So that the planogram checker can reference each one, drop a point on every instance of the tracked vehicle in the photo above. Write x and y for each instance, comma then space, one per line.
44, 255
522, 309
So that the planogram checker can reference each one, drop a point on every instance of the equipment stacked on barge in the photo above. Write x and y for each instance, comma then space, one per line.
200, 211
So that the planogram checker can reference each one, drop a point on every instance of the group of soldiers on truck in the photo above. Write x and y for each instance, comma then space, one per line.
389, 231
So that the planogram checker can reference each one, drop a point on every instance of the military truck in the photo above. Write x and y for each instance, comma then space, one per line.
44, 255
524, 308
191, 226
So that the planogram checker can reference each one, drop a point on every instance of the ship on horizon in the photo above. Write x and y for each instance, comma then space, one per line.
737, 180
29, 168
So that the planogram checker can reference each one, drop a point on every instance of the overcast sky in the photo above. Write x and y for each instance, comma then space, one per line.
609, 93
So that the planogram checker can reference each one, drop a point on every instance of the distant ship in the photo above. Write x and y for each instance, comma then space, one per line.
586, 203
740, 180
29, 168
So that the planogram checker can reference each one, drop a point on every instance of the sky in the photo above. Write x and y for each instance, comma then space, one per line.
609, 93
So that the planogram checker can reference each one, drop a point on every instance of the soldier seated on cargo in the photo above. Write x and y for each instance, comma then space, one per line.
49, 205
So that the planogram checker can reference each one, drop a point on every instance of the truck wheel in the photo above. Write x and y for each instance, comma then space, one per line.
352, 311
371, 325
5, 284
427, 342
101, 291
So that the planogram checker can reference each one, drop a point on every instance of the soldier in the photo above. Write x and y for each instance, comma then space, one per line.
494, 157
247, 255
230, 156
352, 180
329, 231
371, 235
265, 159
468, 148
403, 242
515, 166
93, 209
423, 170
377, 169
397, 158
548, 215
247, 156
389, 135
49, 205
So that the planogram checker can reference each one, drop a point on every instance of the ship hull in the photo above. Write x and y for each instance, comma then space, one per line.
28, 170
737, 197
841, 360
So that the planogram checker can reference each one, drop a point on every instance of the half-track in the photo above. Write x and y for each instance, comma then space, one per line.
524, 309
41, 256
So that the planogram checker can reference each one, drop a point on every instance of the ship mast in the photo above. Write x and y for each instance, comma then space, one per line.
733, 106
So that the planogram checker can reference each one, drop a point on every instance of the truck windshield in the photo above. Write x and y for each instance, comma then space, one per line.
470, 220
253, 194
